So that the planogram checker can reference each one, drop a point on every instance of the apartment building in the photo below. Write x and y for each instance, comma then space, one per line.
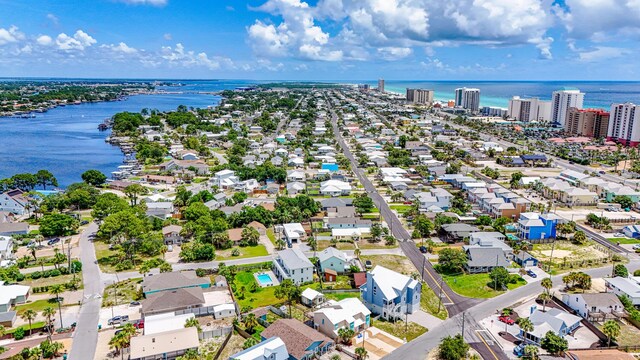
587, 122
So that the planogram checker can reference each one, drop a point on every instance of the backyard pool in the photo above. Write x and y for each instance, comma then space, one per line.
264, 279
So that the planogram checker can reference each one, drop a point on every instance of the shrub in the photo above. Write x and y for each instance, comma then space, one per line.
636, 273
46, 274
20, 277
235, 252
63, 270
55, 272
36, 275
124, 265
201, 272
19, 333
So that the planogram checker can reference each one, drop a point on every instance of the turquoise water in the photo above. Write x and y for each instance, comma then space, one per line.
264, 279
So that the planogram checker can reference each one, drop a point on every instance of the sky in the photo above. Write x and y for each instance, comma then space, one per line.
322, 39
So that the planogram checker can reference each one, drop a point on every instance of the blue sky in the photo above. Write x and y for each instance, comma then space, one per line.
322, 39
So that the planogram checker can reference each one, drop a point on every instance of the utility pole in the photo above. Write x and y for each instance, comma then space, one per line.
553, 246
424, 259
495, 281
463, 324
440, 295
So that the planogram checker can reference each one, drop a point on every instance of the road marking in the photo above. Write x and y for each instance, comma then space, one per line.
487, 345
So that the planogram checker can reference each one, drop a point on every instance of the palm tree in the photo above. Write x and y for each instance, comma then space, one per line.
191, 354
2, 331
280, 244
547, 284
313, 244
56, 290
531, 352
250, 322
29, 315
345, 335
611, 328
41, 262
526, 326
192, 322
119, 341
544, 297
356, 253
49, 313
361, 353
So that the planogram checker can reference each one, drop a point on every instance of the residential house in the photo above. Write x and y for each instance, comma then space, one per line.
489, 239
629, 287
219, 200
293, 232
270, 349
167, 345
171, 234
457, 232
296, 175
598, 306
572, 176
335, 188
555, 320
161, 210
334, 259
172, 281
293, 264
311, 298
10, 296
525, 259
302, 341
225, 179
347, 223
14, 228
6, 248
349, 314
533, 226
296, 187
485, 259
14, 201
262, 230
334, 203
391, 294
186, 298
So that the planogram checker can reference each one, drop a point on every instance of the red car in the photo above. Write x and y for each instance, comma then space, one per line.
507, 320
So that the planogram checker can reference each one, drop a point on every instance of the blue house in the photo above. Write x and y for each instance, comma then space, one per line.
534, 226
557, 321
390, 294
632, 231
523, 258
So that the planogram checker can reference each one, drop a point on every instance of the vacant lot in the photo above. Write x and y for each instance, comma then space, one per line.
245, 252
400, 329
397, 263
476, 285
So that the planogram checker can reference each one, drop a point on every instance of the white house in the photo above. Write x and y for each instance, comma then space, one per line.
349, 313
625, 286
311, 298
335, 188
293, 232
598, 305
296, 175
293, 264
225, 179
6, 247
13, 201
270, 349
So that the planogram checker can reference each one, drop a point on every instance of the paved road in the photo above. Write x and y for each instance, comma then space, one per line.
455, 303
85, 337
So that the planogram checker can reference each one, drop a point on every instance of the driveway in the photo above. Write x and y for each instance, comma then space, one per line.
425, 319
540, 274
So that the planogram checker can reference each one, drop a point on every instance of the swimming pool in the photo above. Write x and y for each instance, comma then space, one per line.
264, 280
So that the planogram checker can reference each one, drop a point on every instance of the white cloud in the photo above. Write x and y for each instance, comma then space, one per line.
600, 53
44, 40
600, 20
145, 2
53, 18
79, 41
178, 56
121, 48
167, 36
10, 35
394, 53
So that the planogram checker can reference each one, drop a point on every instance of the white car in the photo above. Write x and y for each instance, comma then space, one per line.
636, 247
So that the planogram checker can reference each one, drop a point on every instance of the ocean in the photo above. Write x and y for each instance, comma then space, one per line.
66, 140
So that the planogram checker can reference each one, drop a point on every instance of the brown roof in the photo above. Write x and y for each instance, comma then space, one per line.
268, 206
330, 272
175, 299
359, 279
257, 225
295, 335
235, 234
171, 229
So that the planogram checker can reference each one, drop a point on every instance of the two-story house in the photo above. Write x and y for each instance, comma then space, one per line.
13, 201
598, 306
293, 264
390, 294
171, 234
533, 226
349, 313
334, 259
225, 179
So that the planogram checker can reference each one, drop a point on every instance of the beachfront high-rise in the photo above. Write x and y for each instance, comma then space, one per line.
381, 85
532, 109
562, 101
420, 96
587, 122
624, 124
468, 98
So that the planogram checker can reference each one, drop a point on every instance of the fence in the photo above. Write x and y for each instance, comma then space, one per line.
209, 334
601, 336
223, 345
278, 312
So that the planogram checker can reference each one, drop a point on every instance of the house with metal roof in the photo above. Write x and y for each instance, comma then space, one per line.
173, 281
293, 264
349, 313
391, 294
555, 320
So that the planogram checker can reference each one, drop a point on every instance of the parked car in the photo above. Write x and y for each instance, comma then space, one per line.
636, 247
53, 241
139, 324
518, 350
170, 248
134, 303
532, 274
117, 320
423, 249
507, 320
368, 264
84, 222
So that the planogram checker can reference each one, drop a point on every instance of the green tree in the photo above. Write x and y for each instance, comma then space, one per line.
288, 291
193, 322
108, 204
624, 201
251, 341
453, 348
361, 353
250, 322
56, 290
579, 237
553, 343
29, 315
525, 325
45, 178
58, 225
499, 277
346, 335
452, 261
93, 177
250, 235
191, 354
165, 267
611, 329
363, 204
49, 313
531, 352
133, 192
620, 270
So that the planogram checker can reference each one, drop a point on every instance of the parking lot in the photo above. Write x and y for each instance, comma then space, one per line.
107, 313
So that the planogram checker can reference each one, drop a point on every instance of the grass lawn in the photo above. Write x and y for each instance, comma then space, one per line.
108, 259
62, 279
429, 302
34, 325
323, 244
245, 252
371, 216
624, 240
378, 245
400, 329
342, 295
475, 285
124, 292
263, 296
37, 306
400, 208
397, 263
271, 236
